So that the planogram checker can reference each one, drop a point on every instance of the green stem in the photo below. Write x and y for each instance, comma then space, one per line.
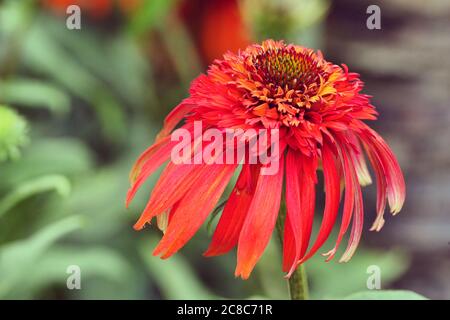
298, 282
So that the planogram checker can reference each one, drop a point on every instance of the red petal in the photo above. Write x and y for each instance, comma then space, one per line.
230, 224
173, 118
395, 183
290, 254
359, 161
349, 178
176, 177
147, 164
292, 228
145, 156
260, 221
332, 199
358, 217
381, 189
308, 200
194, 208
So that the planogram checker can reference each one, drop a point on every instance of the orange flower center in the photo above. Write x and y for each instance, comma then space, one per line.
287, 82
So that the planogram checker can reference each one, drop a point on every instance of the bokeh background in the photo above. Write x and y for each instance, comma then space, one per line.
78, 106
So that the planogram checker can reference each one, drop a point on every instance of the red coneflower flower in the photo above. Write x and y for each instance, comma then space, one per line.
319, 112
216, 26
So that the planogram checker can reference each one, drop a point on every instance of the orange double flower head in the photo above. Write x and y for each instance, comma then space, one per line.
320, 113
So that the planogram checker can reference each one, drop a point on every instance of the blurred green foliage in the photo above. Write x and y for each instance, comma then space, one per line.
13, 133
88, 102
386, 295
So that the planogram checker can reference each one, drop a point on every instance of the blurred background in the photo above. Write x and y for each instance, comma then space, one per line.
78, 106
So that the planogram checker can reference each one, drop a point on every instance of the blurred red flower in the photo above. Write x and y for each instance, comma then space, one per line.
129, 6
216, 26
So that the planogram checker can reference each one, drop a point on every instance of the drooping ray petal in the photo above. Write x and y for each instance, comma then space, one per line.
148, 156
173, 118
194, 208
293, 224
307, 200
381, 189
177, 178
395, 183
332, 199
233, 216
145, 156
289, 247
358, 160
260, 221
153, 162
358, 216
349, 199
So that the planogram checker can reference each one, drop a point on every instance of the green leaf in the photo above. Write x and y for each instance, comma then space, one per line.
386, 295
33, 93
92, 196
111, 116
47, 156
44, 55
14, 20
17, 258
13, 16
58, 183
333, 279
95, 262
111, 59
174, 276
149, 15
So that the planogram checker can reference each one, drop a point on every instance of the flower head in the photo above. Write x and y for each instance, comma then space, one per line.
318, 112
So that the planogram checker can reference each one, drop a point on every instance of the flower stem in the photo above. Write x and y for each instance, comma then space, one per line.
298, 282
